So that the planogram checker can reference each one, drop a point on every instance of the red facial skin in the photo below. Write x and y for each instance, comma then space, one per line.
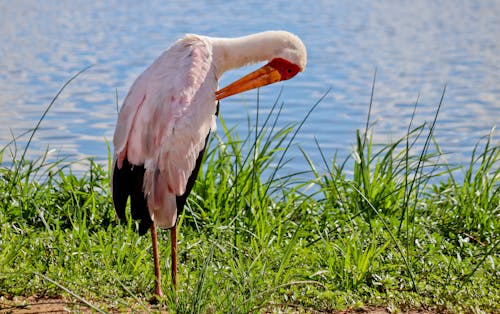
286, 69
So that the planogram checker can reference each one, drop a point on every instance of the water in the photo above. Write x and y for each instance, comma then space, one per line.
416, 47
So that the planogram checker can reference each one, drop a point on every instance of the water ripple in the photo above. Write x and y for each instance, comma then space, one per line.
417, 49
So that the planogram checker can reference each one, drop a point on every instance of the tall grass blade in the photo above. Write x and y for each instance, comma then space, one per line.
37, 126
90, 305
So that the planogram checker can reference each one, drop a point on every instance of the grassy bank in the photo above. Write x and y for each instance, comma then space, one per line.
400, 232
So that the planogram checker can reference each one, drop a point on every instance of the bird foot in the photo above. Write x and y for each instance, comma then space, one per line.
157, 297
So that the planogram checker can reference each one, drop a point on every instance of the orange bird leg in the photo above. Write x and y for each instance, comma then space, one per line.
156, 258
173, 238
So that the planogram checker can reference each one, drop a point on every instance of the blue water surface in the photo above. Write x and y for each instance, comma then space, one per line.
416, 48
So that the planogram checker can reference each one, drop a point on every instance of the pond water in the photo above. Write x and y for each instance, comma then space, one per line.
416, 48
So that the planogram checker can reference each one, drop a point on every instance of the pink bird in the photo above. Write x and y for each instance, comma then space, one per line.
167, 116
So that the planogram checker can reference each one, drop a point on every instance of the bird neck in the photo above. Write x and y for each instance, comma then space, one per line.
233, 53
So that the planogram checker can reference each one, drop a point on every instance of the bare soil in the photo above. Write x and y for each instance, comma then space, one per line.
33, 304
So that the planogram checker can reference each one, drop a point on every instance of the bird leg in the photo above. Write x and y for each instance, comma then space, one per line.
173, 239
156, 258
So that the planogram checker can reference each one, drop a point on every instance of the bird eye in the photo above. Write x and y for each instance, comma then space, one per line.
289, 70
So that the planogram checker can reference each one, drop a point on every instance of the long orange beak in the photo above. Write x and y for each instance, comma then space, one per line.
263, 76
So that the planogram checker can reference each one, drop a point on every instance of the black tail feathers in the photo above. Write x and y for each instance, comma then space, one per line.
128, 182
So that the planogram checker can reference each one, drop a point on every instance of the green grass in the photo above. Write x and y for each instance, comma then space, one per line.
400, 232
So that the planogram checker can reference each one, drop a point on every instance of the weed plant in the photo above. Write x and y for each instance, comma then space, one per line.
401, 232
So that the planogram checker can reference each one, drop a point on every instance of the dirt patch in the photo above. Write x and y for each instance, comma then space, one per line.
382, 310
33, 304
